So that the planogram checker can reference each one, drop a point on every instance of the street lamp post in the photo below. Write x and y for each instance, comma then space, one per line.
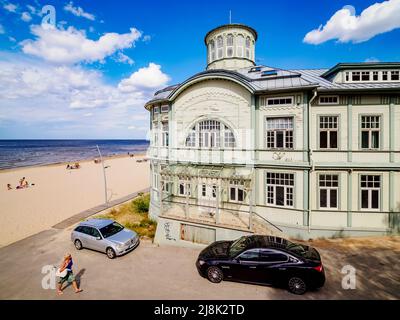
104, 174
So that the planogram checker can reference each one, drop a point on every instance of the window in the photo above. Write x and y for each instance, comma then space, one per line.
203, 190
155, 135
384, 75
191, 138
212, 50
272, 257
328, 190
328, 132
347, 76
365, 76
229, 138
394, 75
249, 255
165, 134
375, 75
184, 188
280, 133
220, 47
165, 186
156, 110
370, 131
255, 69
248, 47
280, 189
279, 101
164, 108
269, 73
370, 191
229, 45
239, 45
208, 134
328, 100
355, 76
236, 191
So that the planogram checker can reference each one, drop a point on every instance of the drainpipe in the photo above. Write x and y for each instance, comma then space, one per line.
311, 162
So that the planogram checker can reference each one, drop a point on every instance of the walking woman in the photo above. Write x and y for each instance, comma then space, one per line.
66, 275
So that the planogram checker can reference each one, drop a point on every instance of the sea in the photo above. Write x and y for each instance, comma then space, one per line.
22, 153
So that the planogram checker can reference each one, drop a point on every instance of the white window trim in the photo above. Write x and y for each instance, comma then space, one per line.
237, 187
163, 107
329, 103
369, 130
293, 187
328, 134
284, 137
274, 98
186, 188
369, 209
328, 194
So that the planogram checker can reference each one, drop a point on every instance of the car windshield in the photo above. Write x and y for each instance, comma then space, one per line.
111, 229
238, 246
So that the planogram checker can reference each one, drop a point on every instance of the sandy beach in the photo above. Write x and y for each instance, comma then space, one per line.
59, 193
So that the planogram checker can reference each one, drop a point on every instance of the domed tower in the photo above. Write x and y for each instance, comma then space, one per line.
231, 46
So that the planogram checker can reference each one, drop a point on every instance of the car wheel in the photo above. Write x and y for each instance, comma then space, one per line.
111, 253
78, 244
297, 285
215, 275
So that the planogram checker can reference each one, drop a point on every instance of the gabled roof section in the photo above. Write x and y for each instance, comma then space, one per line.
360, 65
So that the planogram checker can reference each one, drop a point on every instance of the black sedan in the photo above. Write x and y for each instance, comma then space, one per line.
264, 260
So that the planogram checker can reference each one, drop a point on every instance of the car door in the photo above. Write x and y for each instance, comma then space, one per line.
91, 239
97, 240
245, 268
84, 236
272, 266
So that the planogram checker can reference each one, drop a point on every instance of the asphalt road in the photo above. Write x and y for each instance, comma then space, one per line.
149, 272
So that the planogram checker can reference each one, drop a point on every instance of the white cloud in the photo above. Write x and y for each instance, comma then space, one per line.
10, 7
346, 26
2, 30
78, 11
25, 16
150, 77
69, 101
124, 59
146, 38
71, 46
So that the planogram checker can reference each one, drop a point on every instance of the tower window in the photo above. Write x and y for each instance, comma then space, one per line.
220, 47
394, 75
212, 50
384, 75
229, 45
248, 47
239, 45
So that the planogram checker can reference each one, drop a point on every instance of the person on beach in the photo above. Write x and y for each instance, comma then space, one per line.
22, 182
69, 277
9, 186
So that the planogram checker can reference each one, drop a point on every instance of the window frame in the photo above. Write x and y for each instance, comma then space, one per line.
397, 73
162, 108
220, 49
293, 187
240, 48
164, 134
329, 103
267, 99
360, 130
186, 188
292, 117
232, 46
380, 191
319, 116
338, 188
236, 187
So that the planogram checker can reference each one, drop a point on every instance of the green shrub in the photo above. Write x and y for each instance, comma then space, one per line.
141, 204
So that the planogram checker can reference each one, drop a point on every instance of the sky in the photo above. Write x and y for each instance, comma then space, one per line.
84, 69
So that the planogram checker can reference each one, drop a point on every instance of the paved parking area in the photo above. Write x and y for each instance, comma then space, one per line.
152, 272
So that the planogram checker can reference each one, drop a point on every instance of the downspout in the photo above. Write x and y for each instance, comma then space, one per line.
315, 94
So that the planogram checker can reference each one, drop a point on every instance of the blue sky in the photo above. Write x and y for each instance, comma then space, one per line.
89, 76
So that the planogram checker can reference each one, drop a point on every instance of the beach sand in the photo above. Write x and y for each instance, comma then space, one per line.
59, 193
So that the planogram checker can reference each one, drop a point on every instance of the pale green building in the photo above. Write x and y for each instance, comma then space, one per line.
241, 148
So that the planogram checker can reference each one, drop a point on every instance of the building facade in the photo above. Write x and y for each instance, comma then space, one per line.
241, 148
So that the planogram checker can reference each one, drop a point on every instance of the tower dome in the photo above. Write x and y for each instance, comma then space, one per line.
231, 47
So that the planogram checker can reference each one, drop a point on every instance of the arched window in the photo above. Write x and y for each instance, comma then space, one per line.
239, 45
210, 134
248, 41
212, 50
229, 45
248, 47
220, 47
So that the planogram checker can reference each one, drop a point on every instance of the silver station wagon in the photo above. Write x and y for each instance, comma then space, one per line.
106, 236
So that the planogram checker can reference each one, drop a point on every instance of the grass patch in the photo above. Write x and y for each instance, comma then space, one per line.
134, 216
